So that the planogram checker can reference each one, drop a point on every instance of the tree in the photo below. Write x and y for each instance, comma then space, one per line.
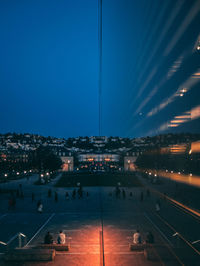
45, 160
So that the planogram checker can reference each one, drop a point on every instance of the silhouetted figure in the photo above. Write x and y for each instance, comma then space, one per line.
10, 204
157, 206
13, 202
56, 197
117, 192
74, 194
165, 196
33, 197
38, 203
49, 193
148, 193
80, 193
131, 194
17, 193
123, 194
149, 238
141, 196
67, 195
40, 208
48, 239
22, 195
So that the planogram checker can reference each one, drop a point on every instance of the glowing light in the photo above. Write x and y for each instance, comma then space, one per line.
177, 121
195, 147
155, 175
195, 112
47, 173
150, 173
174, 125
184, 90
17, 173
42, 175
181, 95
166, 171
24, 172
129, 161
172, 172
68, 161
179, 173
190, 174
6, 175
182, 117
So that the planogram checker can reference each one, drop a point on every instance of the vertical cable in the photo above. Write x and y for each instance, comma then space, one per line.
101, 232
100, 63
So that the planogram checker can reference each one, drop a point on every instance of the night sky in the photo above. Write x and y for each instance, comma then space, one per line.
49, 67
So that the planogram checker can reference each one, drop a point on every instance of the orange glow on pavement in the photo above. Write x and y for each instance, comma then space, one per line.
193, 180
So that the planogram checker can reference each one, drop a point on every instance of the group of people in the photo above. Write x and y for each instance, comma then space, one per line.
61, 239
119, 192
137, 239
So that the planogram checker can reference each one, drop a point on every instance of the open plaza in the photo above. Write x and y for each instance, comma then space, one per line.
99, 224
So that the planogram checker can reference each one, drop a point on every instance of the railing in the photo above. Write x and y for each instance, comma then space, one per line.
19, 236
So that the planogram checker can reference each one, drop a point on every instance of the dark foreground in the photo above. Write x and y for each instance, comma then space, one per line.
89, 179
82, 220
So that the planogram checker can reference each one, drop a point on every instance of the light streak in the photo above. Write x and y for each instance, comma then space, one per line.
186, 22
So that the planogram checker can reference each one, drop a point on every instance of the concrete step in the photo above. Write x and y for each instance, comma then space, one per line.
30, 254
57, 247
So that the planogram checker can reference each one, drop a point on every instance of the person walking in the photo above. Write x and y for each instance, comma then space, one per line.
40, 208
148, 193
56, 197
157, 206
141, 196
124, 194
33, 197
67, 195
74, 194
49, 193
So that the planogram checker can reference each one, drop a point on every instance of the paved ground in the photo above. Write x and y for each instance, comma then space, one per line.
83, 219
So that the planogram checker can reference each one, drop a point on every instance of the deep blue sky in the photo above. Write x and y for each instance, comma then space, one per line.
49, 66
